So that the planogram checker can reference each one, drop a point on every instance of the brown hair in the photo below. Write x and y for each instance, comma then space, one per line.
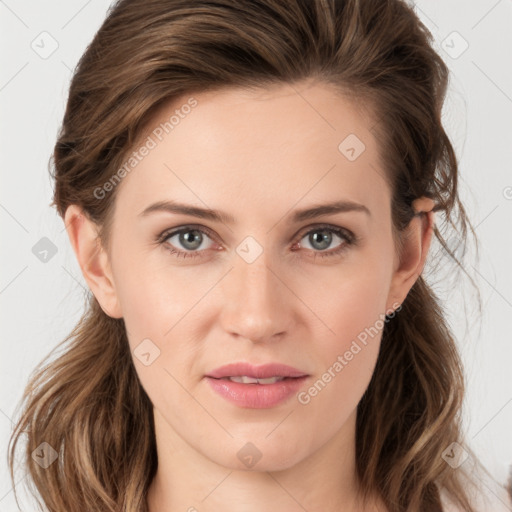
88, 403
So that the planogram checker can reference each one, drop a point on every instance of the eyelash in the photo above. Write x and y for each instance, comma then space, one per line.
348, 237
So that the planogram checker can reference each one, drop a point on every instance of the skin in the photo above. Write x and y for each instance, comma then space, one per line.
259, 156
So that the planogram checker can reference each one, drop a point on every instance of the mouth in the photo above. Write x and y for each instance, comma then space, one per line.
256, 387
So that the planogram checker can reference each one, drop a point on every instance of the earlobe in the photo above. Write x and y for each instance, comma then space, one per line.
93, 259
416, 244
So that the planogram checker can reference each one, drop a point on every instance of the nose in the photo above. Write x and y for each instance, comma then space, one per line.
257, 304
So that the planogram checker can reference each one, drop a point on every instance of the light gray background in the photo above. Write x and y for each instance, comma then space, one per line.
41, 301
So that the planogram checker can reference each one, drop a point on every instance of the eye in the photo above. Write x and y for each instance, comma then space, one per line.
322, 237
191, 241
189, 238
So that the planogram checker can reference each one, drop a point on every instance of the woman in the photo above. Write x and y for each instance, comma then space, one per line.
249, 188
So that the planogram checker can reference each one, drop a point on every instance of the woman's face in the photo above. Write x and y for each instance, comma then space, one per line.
262, 282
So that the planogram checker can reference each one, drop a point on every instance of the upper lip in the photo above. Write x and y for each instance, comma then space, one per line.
263, 371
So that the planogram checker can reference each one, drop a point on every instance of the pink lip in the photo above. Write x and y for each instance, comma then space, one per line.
256, 396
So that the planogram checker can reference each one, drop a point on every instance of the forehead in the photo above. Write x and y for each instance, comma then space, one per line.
259, 151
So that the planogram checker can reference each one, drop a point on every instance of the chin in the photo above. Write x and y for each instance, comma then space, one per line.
260, 455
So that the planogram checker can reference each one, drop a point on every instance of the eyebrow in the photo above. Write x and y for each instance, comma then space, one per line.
226, 218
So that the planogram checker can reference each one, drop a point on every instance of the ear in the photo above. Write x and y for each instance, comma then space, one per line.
93, 259
416, 243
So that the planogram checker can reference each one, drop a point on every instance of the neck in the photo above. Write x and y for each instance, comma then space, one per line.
186, 480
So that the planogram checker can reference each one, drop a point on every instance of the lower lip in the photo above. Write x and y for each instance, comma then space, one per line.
256, 396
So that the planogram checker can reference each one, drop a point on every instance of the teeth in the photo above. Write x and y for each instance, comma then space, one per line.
251, 380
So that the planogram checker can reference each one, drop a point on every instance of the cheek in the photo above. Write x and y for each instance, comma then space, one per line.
349, 356
350, 299
346, 361
155, 311
359, 313
353, 307
161, 312
155, 296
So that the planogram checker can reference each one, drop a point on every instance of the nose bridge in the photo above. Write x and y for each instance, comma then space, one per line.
256, 305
